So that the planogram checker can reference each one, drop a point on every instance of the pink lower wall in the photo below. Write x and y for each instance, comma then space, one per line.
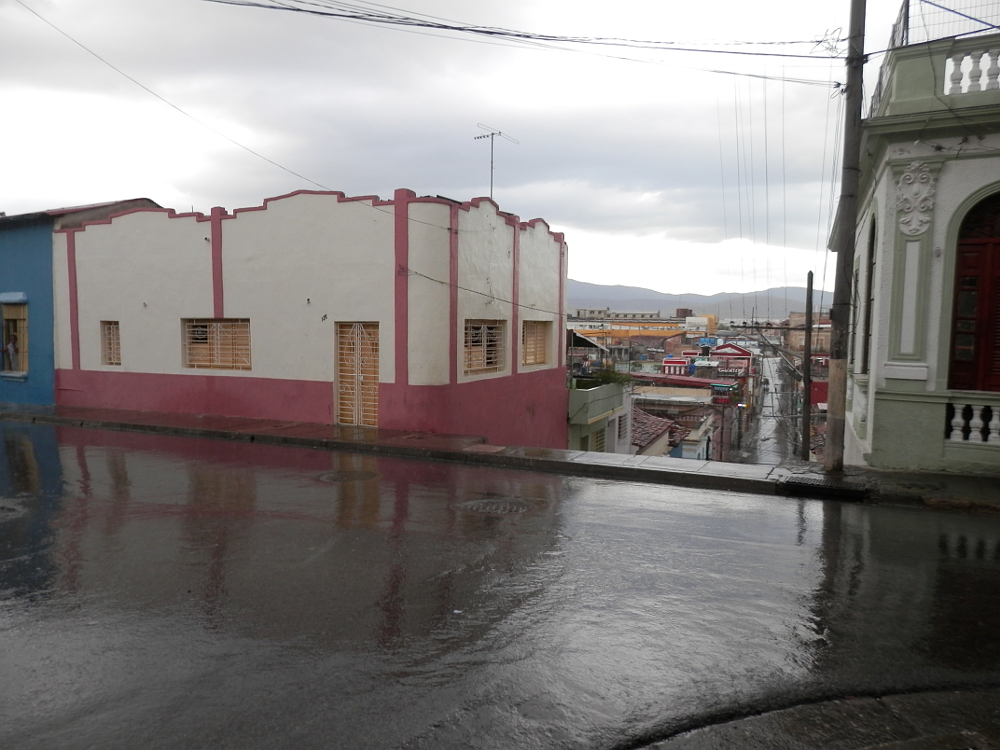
254, 398
528, 409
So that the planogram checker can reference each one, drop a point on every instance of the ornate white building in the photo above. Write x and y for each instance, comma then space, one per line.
924, 389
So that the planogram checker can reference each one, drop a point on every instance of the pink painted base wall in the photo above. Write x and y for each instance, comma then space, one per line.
254, 398
528, 409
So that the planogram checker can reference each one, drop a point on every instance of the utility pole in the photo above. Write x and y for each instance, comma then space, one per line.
847, 220
492, 134
807, 372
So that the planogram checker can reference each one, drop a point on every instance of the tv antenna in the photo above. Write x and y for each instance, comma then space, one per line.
492, 133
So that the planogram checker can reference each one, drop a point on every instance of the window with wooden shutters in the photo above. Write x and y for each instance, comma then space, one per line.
484, 346
535, 342
216, 343
975, 325
15, 336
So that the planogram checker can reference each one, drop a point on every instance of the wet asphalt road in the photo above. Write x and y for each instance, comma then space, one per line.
773, 437
161, 592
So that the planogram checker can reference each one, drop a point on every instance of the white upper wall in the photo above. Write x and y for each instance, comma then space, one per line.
429, 293
539, 266
147, 271
485, 265
301, 266
296, 268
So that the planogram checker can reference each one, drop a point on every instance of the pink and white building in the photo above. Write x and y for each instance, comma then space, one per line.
420, 314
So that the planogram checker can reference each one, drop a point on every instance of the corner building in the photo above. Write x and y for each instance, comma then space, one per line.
924, 386
421, 314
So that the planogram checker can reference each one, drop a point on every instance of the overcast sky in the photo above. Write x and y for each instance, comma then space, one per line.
661, 175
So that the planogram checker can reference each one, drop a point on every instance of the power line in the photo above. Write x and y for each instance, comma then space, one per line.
384, 15
206, 125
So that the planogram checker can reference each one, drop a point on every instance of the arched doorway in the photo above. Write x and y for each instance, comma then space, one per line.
975, 321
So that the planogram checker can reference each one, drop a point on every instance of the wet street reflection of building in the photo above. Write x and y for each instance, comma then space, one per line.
327, 546
169, 592
913, 585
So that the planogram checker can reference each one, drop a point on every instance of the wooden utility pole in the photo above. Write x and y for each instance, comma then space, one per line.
807, 372
847, 220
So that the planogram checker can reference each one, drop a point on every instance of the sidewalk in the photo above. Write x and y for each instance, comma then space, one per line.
794, 479
952, 720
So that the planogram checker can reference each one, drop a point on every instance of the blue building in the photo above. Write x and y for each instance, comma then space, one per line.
26, 309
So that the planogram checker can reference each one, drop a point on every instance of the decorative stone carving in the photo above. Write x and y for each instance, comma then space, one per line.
915, 199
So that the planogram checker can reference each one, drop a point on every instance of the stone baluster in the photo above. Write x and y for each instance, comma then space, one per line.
993, 72
957, 423
976, 424
975, 73
993, 438
956, 73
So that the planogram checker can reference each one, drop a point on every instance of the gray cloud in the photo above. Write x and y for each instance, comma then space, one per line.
604, 144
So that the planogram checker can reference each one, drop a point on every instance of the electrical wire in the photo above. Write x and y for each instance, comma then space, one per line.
166, 101
369, 13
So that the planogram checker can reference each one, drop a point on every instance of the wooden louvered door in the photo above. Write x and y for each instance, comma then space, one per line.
357, 374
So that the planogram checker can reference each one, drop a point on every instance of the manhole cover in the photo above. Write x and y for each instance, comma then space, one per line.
494, 506
347, 476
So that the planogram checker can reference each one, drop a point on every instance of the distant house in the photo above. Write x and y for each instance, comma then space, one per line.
658, 436
26, 304
924, 386
421, 314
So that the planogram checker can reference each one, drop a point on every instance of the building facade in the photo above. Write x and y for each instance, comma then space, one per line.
924, 388
420, 314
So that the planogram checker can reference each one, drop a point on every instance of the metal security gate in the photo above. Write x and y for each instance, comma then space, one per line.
357, 374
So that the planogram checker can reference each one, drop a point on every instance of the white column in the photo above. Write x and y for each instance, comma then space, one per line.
956, 73
976, 72
957, 423
993, 72
976, 424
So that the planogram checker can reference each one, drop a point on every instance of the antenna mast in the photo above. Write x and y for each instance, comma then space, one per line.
492, 133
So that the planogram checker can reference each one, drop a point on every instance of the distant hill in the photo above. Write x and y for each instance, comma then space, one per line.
768, 303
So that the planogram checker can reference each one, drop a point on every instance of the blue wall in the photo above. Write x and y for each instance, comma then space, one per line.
26, 266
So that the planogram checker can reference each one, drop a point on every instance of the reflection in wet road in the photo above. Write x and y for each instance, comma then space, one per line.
171, 593
775, 435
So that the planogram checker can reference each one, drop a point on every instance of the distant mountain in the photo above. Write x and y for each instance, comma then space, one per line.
769, 303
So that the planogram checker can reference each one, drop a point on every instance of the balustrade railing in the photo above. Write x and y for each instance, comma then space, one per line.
973, 70
973, 423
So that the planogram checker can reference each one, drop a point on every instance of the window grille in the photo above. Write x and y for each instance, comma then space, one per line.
357, 374
111, 347
623, 426
599, 440
484, 346
15, 337
218, 344
534, 342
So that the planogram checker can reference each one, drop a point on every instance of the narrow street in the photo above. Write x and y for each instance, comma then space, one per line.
167, 592
773, 437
